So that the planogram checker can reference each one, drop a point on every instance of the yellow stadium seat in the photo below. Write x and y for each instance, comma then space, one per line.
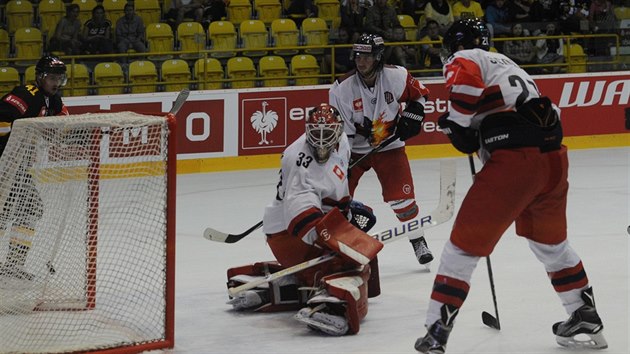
160, 39
192, 38
268, 10
173, 73
85, 9
254, 36
409, 25
29, 75
223, 39
208, 73
78, 80
304, 65
143, 72
114, 9
315, 32
284, 33
575, 57
273, 66
241, 67
19, 14
109, 73
149, 10
9, 78
239, 11
28, 45
5, 45
50, 12
330, 11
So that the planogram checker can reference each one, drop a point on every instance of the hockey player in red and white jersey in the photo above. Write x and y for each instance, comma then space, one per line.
307, 219
369, 99
497, 110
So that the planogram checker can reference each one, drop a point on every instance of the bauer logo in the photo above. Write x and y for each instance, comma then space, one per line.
402, 230
263, 123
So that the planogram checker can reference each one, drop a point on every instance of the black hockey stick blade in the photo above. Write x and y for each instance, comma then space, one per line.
490, 321
182, 96
216, 235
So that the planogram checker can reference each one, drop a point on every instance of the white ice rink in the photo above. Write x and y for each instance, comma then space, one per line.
598, 216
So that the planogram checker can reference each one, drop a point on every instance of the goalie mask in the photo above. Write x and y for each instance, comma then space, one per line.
469, 33
323, 131
372, 45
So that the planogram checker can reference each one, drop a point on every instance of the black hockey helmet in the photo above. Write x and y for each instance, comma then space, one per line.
50, 64
469, 33
369, 44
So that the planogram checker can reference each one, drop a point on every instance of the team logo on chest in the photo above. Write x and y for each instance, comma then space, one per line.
357, 105
389, 97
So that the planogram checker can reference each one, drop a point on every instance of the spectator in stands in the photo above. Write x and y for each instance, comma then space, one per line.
130, 31
601, 20
521, 51
550, 50
298, 10
343, 63
381, 19
430, 57
403, 55
97, 33
67, 34
352, 18
577, 12
181, 9
544, 10
463, 9
519, 10
498, 16
441, 13
213, 10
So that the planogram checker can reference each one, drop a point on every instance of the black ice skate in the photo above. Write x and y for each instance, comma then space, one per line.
434, 342
422, 251
584, 329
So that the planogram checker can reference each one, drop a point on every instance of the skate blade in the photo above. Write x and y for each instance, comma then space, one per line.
584, 341
319, 326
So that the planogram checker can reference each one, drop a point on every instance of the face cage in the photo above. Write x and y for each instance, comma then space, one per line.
322, 138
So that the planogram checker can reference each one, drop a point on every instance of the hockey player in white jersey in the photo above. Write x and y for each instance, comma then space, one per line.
497, 110
309, 218
369, 99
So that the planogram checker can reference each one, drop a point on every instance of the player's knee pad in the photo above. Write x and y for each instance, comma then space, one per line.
352, 288
405, 209
280, 295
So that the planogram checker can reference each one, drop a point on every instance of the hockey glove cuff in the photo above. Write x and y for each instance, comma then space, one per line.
463, 139
410, 122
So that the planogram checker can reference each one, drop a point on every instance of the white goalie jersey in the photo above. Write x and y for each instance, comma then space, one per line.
307, 190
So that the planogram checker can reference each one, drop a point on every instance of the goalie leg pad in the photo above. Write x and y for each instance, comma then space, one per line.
279, 295
355, 246
351, 287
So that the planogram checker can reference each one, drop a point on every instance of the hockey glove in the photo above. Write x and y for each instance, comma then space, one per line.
362, 216
410, 122
463, 139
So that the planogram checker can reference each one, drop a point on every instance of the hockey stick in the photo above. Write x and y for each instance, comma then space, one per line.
218, 236
182, 96
486, 318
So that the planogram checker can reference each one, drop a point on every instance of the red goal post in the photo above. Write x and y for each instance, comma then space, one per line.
89, 200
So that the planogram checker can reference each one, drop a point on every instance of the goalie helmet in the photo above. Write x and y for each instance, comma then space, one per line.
51, 65
370, 44
323, 131
469, 33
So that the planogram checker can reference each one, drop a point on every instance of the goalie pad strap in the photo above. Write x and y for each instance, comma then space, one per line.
353, 245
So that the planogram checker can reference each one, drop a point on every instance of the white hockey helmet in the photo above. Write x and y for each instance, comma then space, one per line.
323, 131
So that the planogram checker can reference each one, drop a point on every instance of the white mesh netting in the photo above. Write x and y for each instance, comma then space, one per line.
83, 233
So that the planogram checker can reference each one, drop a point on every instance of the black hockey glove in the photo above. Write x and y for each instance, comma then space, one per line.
363, 217
463, 139
410, 122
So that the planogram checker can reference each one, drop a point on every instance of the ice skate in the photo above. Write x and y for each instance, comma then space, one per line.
422, 251
584, 328
319, 319
249, 299
434, 342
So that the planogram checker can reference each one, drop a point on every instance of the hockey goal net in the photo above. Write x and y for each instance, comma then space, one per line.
87, 234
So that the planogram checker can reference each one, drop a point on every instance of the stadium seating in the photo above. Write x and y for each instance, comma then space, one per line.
5, 45
85, 9
273, 66
149, 10
304, 65
160, 39
239, 11
173, 73
143, 72
50, 12
268, 10
410, 27
207, 73
222, 38
191, 38
329, 10
576, 57
9, 78
315, 32
254, 36
78, 80
241, 67
284, 33
19, 14
28, 45
29, 75
109, 73
114, 9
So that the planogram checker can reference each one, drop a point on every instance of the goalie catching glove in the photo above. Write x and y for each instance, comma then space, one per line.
410, 121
